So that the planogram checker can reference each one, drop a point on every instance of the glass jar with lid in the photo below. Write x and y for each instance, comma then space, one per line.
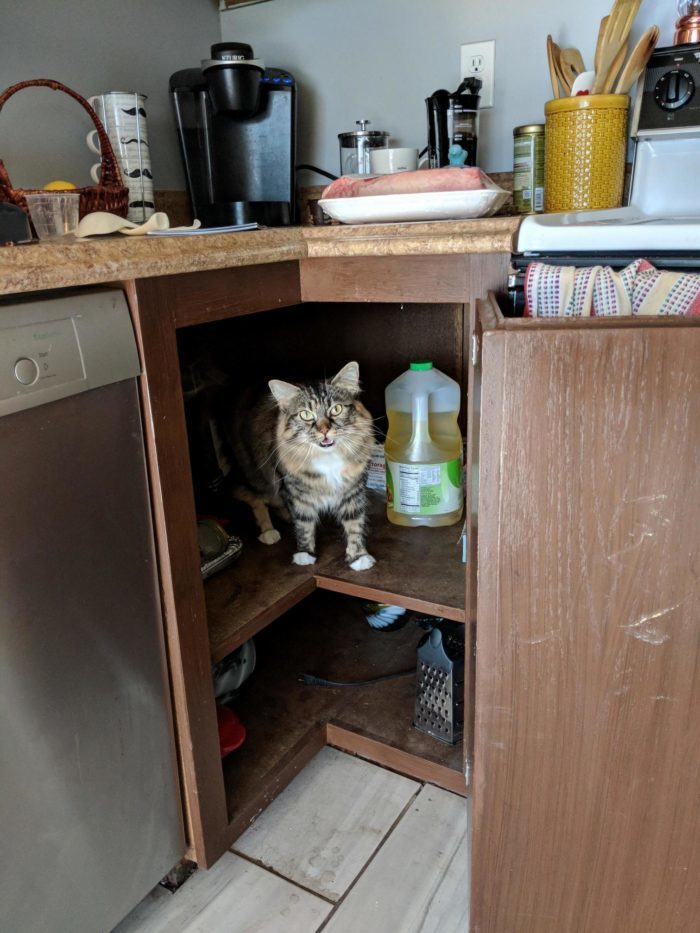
355, 147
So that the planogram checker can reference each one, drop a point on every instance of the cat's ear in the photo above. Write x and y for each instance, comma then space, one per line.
348, 378
283, 392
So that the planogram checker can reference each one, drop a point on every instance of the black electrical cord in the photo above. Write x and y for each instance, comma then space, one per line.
312, 681
319, 171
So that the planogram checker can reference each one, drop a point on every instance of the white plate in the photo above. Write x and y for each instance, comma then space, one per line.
398, 208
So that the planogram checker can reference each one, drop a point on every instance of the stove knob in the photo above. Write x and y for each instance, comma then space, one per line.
674, 89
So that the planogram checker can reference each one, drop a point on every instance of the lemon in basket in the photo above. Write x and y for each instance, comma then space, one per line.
59, 186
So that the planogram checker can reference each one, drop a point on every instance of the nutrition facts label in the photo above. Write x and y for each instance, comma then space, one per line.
424, 488
413, 481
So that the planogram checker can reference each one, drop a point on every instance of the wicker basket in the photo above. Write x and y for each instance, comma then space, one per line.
585, 150
109, 195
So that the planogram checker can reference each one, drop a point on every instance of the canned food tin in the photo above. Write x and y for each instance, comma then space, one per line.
528, 168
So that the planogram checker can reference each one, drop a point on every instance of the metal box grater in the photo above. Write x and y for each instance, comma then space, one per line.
439, 708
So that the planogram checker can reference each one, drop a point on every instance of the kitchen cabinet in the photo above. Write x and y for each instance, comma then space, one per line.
587, 764
578, 597
313, 314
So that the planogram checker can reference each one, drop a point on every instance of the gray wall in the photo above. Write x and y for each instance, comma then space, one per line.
93, 47
380, 59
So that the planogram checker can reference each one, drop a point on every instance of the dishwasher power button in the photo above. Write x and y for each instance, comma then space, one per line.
26, 371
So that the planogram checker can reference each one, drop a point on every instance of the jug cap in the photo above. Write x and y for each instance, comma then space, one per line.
421, 365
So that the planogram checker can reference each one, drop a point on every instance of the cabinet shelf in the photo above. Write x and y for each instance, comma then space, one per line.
329, 636
418, 568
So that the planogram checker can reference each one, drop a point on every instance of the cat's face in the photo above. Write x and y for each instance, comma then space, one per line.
325, 415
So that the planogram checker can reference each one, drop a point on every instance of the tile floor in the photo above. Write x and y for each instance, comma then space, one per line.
347, 847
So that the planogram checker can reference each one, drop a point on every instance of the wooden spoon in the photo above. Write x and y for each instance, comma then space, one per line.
572, 65
614, 69
638, 60
615, 35
574, 59
564, 75
553, 77
599, 43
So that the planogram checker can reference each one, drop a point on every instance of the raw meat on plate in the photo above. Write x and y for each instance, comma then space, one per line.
422, 181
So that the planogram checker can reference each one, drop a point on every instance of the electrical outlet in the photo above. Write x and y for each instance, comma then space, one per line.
479, 59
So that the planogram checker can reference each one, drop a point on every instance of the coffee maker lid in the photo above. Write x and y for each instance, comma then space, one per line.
232, 54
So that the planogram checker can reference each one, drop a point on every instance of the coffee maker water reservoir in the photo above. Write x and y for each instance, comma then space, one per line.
236, 123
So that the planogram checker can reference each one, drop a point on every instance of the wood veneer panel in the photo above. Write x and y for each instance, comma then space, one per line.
472, 354
386, 278
249, 802
198, 298
366, 746
260, 587
493, 318
587, 771
313, 340
329, 636
418, 568
181, 585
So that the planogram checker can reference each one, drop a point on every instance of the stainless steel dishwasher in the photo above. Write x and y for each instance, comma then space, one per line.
90, 815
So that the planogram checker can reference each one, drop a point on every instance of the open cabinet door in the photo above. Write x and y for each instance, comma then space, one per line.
472, 354
587, 760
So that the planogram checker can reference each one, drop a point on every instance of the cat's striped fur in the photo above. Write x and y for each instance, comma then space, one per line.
305, 450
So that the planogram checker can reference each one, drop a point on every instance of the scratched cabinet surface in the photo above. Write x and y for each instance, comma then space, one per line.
587, 751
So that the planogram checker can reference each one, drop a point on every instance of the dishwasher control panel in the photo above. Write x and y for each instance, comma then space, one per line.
35, 355
53, 346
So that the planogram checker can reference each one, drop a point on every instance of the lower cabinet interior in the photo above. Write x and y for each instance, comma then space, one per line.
312, 620
328, 636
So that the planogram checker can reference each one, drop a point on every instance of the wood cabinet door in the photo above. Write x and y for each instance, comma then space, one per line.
587, 760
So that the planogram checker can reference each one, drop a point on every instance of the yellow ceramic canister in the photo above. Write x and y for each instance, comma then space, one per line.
585, 152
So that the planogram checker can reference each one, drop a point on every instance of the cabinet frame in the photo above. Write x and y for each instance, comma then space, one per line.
159, 306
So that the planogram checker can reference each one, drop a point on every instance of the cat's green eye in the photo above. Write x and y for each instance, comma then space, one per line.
307, 415
335, 411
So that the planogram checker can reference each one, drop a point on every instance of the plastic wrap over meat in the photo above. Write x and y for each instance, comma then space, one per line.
423, 181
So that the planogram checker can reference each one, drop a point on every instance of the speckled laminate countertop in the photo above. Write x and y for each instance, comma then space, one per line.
60, 264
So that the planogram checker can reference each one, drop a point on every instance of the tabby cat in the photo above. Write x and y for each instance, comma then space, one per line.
304, 450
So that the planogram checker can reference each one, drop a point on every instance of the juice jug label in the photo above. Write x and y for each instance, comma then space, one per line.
424, 488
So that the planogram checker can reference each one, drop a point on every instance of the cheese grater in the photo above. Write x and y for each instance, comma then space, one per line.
439, 708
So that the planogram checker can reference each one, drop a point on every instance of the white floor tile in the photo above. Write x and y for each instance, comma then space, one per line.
232, 897
419, 880
325, 826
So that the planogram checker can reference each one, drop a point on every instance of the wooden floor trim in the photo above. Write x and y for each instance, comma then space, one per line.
349, 740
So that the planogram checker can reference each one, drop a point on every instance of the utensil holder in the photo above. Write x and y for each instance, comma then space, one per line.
109, 194
585, 152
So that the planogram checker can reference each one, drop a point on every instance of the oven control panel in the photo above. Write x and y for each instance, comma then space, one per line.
670, 98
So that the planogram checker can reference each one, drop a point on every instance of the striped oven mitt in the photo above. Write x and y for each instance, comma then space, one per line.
638, 289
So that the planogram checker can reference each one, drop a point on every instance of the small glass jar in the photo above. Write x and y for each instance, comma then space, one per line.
355, 148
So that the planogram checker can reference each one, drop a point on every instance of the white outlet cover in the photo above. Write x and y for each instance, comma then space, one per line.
479, 59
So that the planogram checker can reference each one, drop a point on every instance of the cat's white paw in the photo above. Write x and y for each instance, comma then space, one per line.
270, 537
303, 558
363, 563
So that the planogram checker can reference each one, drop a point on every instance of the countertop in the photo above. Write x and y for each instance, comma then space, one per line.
59, 264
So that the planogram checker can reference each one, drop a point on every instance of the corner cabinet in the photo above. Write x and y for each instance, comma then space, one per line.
587, 760
281, 319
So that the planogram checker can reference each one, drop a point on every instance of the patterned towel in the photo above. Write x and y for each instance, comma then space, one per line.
599, 291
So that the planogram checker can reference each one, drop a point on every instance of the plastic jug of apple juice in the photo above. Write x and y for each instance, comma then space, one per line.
423, 448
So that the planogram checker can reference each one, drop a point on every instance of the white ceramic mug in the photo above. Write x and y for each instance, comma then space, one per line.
386, 161
123, 115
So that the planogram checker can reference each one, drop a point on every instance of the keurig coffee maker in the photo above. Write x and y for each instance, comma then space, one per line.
236, 123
